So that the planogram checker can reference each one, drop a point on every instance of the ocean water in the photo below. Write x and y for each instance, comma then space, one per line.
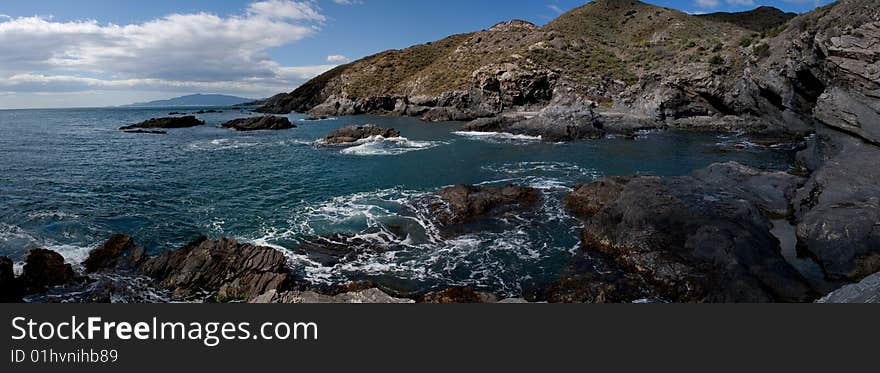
69, 179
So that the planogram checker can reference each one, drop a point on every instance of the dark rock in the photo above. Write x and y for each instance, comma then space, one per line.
173, 122
838, 209
119, 253
333, 249
591, 279
267, 122
10, 290
44, 269
149, 132
459, 294
769, 191
350, 134
466, 203
867, 291
228, 269
315, 118
692, 241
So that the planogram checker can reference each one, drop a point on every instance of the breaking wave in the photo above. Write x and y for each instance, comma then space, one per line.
497, 137
379, 145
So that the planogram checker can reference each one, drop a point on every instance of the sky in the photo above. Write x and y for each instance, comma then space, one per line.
95, 53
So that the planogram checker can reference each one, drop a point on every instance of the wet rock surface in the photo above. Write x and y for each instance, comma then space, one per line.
692, 241
118, 253
166, 123
351, 134
264, 123
468, 203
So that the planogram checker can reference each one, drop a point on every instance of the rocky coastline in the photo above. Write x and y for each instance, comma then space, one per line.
706, 237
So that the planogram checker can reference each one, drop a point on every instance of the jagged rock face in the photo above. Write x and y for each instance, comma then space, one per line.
466, 203
867, 291
166, 123
264, 123
236, 271
118, 253
350, 134
44, 269
692, 240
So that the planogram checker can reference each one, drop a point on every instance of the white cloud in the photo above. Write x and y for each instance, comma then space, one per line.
741, 2
198, 51
707, 4
284, 9
555, 8
348, 2
337, 58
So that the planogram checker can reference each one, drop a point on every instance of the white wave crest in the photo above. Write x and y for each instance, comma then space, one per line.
497, 137
379, 145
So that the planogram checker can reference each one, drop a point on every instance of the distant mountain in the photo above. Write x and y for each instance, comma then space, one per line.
195, 100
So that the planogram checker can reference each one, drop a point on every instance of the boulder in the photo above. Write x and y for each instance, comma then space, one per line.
867, 291
589, 278
118, 253
769, 191
10, 291
264, 123
166, 123
330, 250
838, 209
467, 203
225, 268
459, 294
44, 269
691, 240
294, 297
351, 134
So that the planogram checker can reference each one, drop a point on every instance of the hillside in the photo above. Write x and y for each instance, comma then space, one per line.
597, 51
195, 100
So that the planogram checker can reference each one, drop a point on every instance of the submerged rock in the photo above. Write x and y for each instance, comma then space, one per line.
292, 297
467, 203
44, 269
171, 122
330, 250
264, 123
867, 291
149, 132
692, 240
350, 134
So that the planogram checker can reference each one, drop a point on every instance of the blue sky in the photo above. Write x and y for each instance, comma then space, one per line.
57, 53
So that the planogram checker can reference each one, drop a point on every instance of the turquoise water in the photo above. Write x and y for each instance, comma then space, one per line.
69, 179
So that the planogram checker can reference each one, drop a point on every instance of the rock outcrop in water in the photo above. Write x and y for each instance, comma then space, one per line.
351, 134
223, 269
467, 203
264, 123
695, 238
166, 123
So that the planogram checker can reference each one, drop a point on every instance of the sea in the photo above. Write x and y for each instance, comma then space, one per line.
69, 179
